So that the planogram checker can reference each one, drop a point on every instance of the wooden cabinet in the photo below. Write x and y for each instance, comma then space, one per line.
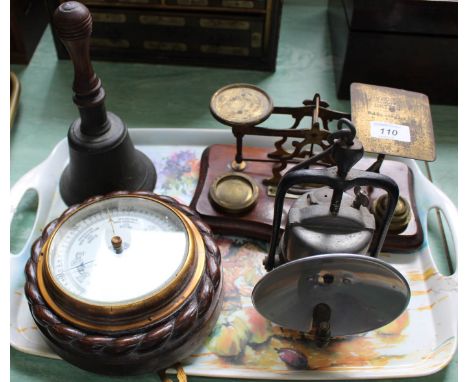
224, 33
408, 44
28, 19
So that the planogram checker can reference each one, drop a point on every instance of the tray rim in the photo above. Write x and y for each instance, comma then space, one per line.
206, 137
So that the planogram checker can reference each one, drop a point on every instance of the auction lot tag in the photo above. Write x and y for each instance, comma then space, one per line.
393, 121
391, 131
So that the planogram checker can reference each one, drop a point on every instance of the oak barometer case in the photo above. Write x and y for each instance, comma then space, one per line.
125, 283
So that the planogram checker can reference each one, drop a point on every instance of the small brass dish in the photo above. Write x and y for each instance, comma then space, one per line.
241, 105
234, 193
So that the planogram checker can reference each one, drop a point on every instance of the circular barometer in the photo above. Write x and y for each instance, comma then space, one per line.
241, 105
126, 263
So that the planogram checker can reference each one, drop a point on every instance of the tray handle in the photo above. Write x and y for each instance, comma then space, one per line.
435, 198
31, 181
45, 186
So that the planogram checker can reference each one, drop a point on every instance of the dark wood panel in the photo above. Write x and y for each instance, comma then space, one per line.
188, 35
417, 62
28, 19
433, 17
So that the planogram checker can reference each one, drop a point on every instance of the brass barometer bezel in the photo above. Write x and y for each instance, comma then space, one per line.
129, 315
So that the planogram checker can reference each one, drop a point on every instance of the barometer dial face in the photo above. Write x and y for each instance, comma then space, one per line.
118, 251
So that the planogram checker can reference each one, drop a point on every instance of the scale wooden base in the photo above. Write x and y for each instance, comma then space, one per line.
257, 223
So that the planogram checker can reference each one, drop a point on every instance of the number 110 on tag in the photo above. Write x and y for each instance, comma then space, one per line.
383, 130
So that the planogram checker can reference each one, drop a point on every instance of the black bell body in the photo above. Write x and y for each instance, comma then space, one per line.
103, 164
102, 156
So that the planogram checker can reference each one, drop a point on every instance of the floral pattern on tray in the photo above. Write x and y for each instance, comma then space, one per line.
245, 345
243, 337
243, 341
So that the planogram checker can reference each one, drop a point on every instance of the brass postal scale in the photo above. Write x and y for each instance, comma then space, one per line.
237, 184
126, 281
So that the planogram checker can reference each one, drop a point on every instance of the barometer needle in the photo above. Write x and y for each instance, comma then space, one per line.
111, 221
76, 266
116, 240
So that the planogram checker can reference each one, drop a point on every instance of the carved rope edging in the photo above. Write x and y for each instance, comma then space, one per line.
189, 316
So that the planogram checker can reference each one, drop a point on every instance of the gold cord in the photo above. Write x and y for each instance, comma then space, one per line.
181, 376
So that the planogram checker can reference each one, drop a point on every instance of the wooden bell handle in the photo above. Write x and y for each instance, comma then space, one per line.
73, 24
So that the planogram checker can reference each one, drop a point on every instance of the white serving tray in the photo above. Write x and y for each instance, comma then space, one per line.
421, 342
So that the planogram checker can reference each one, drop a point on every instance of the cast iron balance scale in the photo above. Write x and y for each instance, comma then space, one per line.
95, 284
